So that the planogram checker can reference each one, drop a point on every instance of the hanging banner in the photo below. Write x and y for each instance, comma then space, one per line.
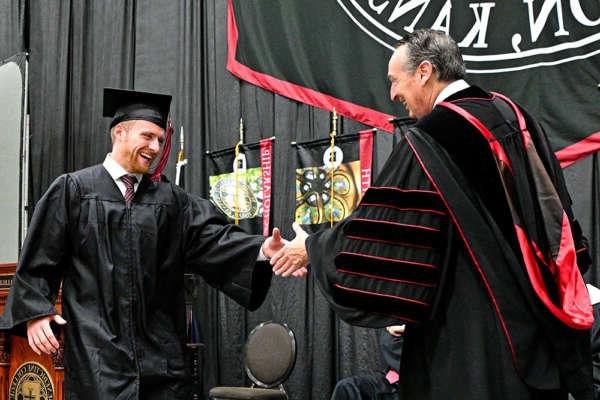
366, 159
250, 193
544, 54
266, 158
329, 188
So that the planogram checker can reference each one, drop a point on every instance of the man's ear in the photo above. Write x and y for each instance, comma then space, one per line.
119, 132
424, 72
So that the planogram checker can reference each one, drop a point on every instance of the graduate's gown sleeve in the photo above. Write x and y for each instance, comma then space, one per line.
224, 254
41, 265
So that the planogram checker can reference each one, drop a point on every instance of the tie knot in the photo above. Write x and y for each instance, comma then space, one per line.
129, 180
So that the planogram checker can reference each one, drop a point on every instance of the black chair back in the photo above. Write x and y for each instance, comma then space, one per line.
270, 354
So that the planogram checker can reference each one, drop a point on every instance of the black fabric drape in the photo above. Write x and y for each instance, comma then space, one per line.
48, 74
77, 47
583, 182
13, 27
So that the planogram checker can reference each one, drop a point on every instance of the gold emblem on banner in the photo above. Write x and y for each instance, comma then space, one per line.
249, 194
313, 193
31, 382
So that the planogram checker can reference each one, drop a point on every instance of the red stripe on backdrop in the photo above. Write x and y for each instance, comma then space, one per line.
578, 151
296, 92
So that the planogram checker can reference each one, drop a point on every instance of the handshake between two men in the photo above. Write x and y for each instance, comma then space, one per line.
288, 258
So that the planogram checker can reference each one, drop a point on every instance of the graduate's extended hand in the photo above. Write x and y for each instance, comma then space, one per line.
292, 259
40, 335
273, 244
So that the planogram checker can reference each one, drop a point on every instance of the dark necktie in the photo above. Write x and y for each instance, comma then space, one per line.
129, 181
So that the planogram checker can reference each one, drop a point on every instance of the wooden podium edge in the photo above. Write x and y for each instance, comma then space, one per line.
6, 270
14, 351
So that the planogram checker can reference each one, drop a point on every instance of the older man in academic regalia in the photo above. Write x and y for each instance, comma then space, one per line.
468, 237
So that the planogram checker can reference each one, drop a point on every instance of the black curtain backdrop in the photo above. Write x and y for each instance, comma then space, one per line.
13, 31
77, 47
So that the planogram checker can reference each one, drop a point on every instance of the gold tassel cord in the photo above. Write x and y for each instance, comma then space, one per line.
331, 160
180, 155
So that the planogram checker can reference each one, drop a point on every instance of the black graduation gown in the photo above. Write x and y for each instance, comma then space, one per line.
122, 268
447, 262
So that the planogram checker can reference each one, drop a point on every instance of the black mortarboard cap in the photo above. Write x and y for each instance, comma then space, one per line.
126, 105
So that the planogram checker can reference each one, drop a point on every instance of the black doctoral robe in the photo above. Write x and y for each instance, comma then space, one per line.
121, 267
433, 243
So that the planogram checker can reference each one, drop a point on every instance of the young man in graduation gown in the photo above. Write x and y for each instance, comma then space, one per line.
468, 237
120, 242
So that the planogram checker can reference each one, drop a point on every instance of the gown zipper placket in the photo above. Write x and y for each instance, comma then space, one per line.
131, 274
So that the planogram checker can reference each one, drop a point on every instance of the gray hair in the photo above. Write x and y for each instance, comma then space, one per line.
437, 48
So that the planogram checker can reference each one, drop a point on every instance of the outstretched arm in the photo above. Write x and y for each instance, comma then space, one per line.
292, 259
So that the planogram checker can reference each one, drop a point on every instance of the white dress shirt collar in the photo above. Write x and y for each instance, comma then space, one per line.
116, 171
594, 293
451, 89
